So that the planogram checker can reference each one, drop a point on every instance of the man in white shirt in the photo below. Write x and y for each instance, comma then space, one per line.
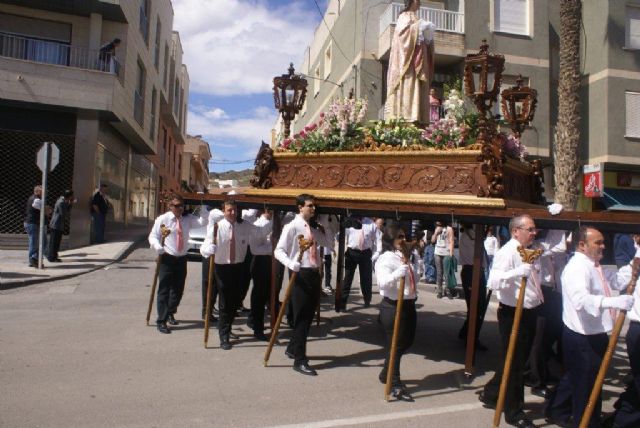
588, 314
306, 288
173, 258
232, 242
360, 243
505, 277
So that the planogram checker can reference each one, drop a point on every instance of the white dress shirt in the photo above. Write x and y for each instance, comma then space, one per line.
261, 245
507, 284
554, 258
491, 245
582, 294
243, 233
170, 221
387, 263
365, 236
288, 248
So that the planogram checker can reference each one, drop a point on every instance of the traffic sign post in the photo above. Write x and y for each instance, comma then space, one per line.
47, 159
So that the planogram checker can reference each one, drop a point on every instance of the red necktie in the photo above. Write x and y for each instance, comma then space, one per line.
607, 290
179, 237
232, 246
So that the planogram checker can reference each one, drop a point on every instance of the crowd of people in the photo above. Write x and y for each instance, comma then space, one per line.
568, 299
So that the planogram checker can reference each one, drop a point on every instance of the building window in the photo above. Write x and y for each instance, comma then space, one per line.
156, 49
632, 30
327, 61
145, 8
316, 81
179, 166
138, 94
632, 128
512, 16
166, 66
152, 128
176, 98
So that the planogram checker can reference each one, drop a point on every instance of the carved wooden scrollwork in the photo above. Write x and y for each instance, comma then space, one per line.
492, 160
265, 164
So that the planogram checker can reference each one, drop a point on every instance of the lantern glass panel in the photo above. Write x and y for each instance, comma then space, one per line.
290, 96
477, 84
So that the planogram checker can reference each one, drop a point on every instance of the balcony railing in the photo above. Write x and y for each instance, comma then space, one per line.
47, 52
444, 20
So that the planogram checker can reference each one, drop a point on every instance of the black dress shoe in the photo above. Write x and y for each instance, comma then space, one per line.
162, 328
367, 304
260, 336
234, 336
382, 377
289, 354
522, 422
541, 391
305, 369
225, 346
172, 320
484, 400
399, 393
33, 263
244, 310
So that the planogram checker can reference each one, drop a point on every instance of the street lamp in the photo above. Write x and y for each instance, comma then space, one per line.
519, 106
289, 93
482, 77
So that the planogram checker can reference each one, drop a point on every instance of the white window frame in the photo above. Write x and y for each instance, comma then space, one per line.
628, 42
632, 114
316, 81
328, 53
494, 7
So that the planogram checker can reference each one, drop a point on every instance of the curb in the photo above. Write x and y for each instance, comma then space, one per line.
124, 253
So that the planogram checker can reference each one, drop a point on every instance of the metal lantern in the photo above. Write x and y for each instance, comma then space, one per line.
289, 94
482, 77
519, 106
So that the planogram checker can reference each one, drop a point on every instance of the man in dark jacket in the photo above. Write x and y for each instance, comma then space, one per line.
99, 208
32, 224
56, 225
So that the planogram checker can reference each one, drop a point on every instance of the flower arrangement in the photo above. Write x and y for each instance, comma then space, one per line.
512, 146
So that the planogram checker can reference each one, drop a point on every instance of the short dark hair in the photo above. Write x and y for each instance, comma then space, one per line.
229, 202
175, 196
304, 197
581, 234
116, 40
68, 193
389, 235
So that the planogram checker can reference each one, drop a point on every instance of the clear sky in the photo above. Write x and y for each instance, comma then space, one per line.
233, 49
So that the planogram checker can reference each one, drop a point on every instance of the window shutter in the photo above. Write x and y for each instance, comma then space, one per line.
512, 16
633, 27
633, 114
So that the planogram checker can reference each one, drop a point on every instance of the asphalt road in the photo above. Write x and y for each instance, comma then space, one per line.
77, 353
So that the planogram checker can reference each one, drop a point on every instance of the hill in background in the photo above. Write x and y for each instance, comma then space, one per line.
242, 176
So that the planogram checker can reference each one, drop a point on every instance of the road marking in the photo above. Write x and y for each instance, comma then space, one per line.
359, 420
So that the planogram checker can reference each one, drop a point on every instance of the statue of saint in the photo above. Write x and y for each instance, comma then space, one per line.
410, 67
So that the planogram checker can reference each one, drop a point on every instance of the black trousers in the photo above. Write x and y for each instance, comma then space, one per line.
544, 361
327, 270
627, 413
246, 275
305, 297
229, 279
466, 276
171, 277
514, 400
406, 333
205, 284
362, 260
581, 364
261, 274
54, 244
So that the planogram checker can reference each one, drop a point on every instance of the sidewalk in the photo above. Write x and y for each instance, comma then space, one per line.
15, 272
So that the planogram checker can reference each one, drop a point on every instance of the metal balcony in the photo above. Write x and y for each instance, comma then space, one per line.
55, 53
444, 20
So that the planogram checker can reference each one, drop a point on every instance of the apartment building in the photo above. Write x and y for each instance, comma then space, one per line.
350, 50
195, 164
114, 114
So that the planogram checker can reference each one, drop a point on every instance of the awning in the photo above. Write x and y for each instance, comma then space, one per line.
622, 199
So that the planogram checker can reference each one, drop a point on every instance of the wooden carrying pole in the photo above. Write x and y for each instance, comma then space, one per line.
613, 339
212, 268
164, 232
304, 245
528, 256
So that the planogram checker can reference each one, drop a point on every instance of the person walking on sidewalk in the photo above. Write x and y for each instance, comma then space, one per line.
99, 209
56, 225
32, 224
173, 258
443, 239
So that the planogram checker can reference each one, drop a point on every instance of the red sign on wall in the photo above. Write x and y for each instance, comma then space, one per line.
593, 182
